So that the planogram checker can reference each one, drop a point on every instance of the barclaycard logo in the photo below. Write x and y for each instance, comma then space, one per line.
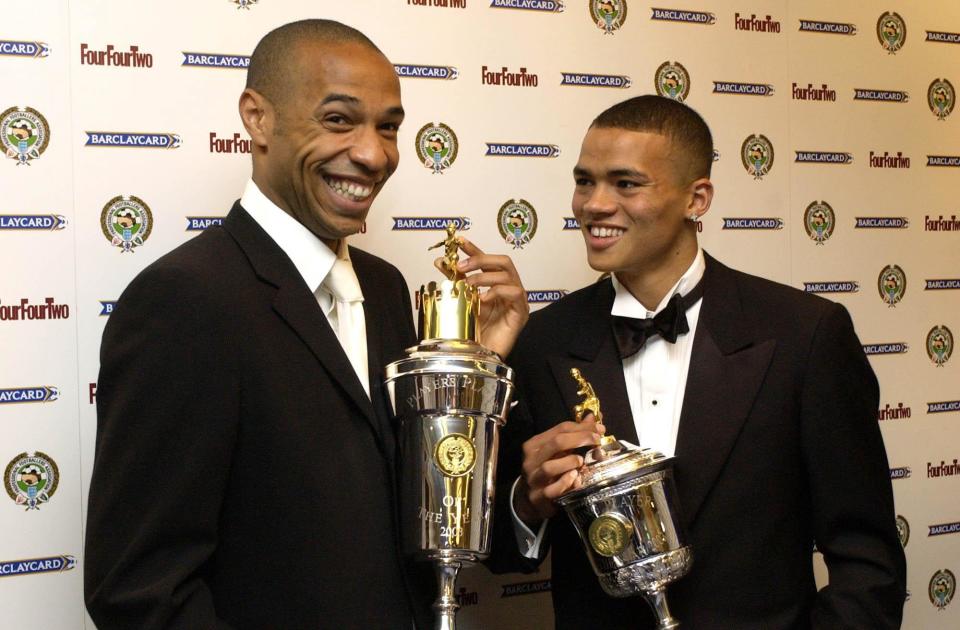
833, 28
747, 89
944, 528
50, 222
32, 566
885, 348
412, 71
940, 284
900, 473
881, 223
549, 6
525, 588
595, 80
885, 96
753, 223
523, 150
943, 160
545, 296
127, 139
680, 15
570, 223
943, 406
214, 60
106, 307
23, 49
39, 394
430, 223
946, 38
199, 224
823, 157
848, 286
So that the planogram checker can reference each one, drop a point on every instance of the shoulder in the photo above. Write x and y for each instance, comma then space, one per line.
365, 263
767, 298
570, 308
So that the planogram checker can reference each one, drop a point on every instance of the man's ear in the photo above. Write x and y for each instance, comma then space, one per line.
257, 114
701, 196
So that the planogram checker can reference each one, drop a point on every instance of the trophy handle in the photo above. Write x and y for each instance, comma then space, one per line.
446, 604
658, 601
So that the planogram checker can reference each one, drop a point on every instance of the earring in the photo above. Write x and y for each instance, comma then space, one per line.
693, 217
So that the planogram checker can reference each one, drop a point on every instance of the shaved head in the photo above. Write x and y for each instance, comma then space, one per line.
274, 66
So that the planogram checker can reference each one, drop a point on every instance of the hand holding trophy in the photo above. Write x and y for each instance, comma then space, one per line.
625, 511
451, 396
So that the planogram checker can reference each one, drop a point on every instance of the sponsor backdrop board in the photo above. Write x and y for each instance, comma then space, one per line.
837, 160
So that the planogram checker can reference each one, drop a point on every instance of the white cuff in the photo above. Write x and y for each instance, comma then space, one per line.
527, 542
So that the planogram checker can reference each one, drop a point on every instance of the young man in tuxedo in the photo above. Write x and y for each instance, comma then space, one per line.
259, 347
762, 392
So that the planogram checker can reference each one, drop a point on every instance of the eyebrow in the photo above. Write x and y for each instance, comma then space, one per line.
618, 172
396, 110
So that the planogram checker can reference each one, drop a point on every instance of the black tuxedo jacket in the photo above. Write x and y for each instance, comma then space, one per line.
778, 449
242, 477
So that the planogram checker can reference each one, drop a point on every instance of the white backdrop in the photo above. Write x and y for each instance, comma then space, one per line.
814, 79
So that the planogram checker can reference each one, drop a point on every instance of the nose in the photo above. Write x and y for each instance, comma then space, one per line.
598, 202
377, 154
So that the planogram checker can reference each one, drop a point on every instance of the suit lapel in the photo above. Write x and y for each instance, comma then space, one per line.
592, 349
727, 367
295, 303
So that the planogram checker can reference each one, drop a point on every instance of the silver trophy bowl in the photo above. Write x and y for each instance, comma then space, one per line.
626, 513
451, 398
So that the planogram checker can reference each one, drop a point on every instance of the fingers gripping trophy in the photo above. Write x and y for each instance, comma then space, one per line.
625, 510
451, 396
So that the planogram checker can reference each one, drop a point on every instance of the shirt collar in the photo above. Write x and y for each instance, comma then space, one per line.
625, 305
312, 258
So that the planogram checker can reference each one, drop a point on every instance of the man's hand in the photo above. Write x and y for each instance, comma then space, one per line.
550, 468
503, 307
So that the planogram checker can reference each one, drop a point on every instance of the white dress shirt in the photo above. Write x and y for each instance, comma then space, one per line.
656, 380
314, 260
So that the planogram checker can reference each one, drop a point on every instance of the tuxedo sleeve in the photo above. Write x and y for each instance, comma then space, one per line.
851, 495
167, 408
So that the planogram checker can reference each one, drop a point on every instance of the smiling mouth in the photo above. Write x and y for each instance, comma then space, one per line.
348, 189
605, 232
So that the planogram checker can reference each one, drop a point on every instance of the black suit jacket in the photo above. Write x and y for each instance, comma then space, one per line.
778, 448
242, 477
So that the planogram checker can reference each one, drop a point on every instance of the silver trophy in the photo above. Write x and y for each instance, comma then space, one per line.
451, 396
626, 512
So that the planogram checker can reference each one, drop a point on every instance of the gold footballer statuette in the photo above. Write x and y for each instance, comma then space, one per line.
450, 309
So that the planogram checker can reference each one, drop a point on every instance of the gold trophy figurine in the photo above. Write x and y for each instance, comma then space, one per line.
451, 252
625, 510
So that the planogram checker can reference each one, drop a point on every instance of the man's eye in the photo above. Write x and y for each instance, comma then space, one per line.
581, 181
336, 119
624, 183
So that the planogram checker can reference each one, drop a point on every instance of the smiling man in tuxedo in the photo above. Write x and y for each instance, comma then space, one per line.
258, 349
761, 391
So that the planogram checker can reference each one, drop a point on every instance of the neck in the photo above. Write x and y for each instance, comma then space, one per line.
650, 285
280, 202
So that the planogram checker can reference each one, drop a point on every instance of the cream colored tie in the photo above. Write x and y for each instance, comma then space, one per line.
351, 329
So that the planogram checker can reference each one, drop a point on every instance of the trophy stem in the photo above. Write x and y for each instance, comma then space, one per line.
658, 601
446, 605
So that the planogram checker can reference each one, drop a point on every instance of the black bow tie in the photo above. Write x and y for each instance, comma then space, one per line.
670, 323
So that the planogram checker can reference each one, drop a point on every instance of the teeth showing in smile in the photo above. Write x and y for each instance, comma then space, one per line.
351, 190
605, 232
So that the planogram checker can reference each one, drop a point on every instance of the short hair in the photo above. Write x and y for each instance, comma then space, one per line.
271, 64
685, 128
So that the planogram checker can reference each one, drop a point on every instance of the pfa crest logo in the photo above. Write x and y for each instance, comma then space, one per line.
26, 134
892, 284
243, 4
818, 221
437, 147
941, 98
455, 455
672, 80
31, 479
517, 221
757, 155
891, 31
608, 15
939, 344
943, 584
903, 530
126, 222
